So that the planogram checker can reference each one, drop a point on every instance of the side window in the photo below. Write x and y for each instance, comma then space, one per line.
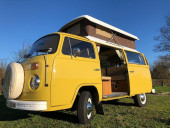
135, 58
86, 49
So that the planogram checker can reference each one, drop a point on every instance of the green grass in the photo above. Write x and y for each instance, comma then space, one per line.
162, 89
121, 114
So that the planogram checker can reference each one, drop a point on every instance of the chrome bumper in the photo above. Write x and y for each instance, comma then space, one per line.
27, 105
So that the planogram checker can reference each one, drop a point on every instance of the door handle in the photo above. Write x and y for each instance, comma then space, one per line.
131, 71
96, 69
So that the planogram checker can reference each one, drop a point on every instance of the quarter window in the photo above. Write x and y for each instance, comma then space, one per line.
66, 50
135, 58
86, 48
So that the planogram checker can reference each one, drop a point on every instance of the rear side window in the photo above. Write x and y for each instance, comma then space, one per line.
86, 48
135, 58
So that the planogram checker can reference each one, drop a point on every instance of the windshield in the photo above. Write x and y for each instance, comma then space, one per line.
43, 44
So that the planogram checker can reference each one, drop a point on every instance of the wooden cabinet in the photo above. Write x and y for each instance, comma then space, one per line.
106, 81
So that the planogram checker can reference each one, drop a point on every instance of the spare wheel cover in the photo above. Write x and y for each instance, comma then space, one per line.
14, 80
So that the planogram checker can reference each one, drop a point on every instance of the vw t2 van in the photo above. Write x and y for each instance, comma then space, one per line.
63, 71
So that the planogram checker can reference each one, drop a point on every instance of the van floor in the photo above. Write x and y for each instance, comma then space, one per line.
115, 94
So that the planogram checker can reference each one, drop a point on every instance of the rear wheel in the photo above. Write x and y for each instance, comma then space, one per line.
85, 110
140, 100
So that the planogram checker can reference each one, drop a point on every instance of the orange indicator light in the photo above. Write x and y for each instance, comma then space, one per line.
34, 66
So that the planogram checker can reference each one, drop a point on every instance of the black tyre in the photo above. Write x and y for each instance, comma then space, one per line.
85, 110
140, 100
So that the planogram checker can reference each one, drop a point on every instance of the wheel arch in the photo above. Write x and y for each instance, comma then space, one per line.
91, 88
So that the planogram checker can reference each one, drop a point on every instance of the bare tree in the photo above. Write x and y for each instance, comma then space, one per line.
164, 37
161, 68
18, 55
3, 64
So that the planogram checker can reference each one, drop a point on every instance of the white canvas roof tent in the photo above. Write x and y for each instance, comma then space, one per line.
125, 38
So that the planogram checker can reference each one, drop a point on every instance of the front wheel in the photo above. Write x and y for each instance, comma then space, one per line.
140, 100
85, 111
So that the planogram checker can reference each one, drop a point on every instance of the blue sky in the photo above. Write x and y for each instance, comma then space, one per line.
27, 20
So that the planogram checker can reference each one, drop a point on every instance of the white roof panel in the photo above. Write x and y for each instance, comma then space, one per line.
94, 20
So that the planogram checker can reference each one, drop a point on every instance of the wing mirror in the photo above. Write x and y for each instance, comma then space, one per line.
76, 52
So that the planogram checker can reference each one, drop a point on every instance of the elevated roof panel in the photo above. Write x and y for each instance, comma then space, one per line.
96, 21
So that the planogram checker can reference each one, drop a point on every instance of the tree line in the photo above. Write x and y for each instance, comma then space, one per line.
17, 55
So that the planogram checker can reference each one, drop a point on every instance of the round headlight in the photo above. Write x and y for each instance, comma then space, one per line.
35, 82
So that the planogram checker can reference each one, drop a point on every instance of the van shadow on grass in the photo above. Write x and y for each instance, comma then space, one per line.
117, 103
61, 115
165, 121
7, 114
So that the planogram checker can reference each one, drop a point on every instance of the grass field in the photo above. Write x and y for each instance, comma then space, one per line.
162, 89
121, 114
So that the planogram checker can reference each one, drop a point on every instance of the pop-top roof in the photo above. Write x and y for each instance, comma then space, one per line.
96, 21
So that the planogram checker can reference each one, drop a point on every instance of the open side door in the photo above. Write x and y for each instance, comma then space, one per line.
139, 73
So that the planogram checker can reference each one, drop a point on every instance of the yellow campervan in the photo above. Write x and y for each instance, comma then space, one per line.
63, 70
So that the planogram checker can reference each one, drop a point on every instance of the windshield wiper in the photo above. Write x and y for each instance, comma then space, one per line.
45, 50
28, 55
42, 50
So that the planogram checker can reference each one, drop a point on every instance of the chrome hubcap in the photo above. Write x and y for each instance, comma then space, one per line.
143, 98
89, 108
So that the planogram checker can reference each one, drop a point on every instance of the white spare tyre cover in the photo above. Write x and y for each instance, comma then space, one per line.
14, 80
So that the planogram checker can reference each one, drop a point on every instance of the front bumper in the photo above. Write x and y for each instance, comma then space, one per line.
27, 105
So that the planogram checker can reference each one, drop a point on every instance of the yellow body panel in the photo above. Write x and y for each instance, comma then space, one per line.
139, 79
113, 98
66, 75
